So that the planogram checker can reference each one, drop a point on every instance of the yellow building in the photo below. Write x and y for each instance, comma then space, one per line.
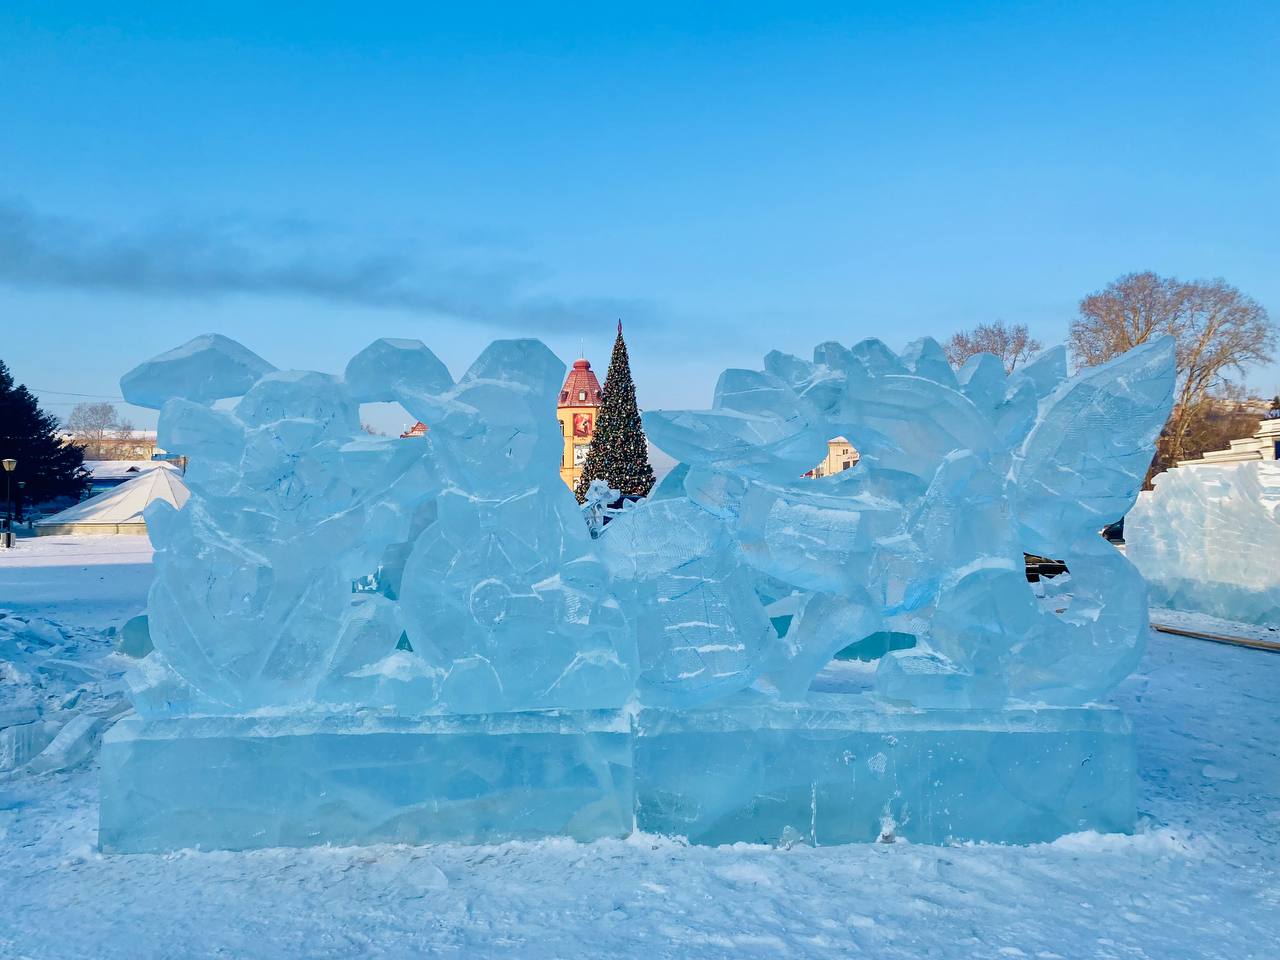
841, 455
576, 411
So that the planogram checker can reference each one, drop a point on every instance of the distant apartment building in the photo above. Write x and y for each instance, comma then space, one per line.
116, 445
841, 455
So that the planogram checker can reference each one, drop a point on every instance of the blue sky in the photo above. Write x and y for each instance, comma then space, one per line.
725, 179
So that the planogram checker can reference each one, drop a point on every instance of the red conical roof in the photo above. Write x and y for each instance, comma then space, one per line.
581, 382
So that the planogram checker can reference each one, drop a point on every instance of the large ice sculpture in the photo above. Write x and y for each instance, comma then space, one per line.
489, 596
427, 638
961, 473
1207, 538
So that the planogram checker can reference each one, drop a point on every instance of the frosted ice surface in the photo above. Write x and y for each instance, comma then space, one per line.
1207, 538
441, 634
377, 372
959, 476
315, 565
210, 367
595, 507
701, 629
833, 771
1083, 462
318, 565
202, 782
982, 380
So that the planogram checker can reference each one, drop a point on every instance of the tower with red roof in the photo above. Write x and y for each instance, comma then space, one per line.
576, 411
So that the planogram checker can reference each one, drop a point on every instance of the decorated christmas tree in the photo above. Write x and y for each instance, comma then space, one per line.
47, 467
618, 453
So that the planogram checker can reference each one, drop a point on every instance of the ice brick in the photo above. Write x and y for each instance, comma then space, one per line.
828, 772
236, 783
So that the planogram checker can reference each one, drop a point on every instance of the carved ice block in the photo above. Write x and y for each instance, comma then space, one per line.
830, 771
323, 591
238, 783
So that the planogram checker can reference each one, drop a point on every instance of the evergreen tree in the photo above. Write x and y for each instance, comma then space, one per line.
48, 467
618, 452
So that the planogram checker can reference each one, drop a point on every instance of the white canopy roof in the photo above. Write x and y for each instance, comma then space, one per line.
125, 503
113, 469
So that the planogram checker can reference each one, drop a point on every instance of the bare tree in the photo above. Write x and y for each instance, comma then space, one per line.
1218, 331
1012, 344
98, 427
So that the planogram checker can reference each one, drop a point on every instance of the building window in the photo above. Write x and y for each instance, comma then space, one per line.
582, 394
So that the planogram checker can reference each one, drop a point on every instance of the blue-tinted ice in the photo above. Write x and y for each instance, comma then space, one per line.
1207, 538
319, 572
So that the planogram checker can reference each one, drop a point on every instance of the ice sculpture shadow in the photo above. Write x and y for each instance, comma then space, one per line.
485, 593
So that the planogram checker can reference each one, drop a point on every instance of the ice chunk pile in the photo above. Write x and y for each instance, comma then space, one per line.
60, 687
1207, 538
961, 473
486, 592
432, 640
316, 565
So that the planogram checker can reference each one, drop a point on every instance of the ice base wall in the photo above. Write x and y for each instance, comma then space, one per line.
832, 770
238, 783
826, 773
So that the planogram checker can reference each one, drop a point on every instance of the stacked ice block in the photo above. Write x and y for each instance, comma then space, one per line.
361, 639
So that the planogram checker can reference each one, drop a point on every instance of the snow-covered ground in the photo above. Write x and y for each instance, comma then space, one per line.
1201, 879
1202, 622
81, 581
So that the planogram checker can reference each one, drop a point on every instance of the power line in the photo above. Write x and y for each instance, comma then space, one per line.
59, 403
67, 393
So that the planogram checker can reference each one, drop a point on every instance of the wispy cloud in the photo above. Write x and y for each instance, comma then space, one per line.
289, 258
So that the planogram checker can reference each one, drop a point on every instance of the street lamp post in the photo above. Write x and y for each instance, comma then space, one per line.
9, 464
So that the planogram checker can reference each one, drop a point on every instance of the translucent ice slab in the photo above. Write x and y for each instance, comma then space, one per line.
1207, 538
237, 783
835, 770
323, 589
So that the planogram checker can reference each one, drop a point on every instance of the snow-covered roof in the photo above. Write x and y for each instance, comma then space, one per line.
125, 503
116, 469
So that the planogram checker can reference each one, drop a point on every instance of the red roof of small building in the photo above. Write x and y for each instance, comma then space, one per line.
581, 380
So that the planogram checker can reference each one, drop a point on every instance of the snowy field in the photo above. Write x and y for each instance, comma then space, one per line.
81, 581
1201, 879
